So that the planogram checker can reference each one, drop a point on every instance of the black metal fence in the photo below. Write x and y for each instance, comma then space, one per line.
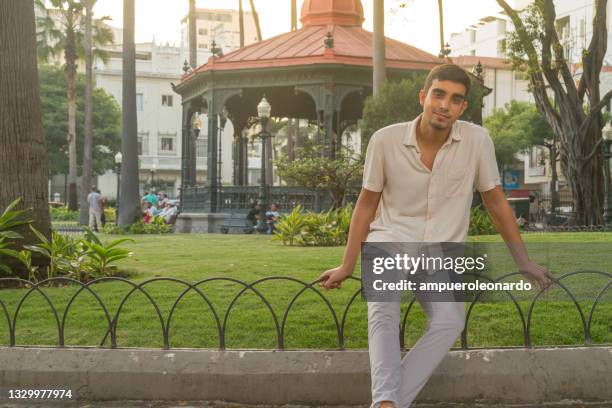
280, 322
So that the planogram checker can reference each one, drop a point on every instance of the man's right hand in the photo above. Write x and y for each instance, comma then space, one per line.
332, 278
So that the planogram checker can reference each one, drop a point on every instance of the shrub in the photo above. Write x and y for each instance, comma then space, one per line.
63, 214
157, 226
480, 222
328, 228
9, 220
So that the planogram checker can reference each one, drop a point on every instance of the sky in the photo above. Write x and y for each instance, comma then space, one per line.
416, 24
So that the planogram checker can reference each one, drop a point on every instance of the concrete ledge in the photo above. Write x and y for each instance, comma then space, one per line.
513, 376
199, 222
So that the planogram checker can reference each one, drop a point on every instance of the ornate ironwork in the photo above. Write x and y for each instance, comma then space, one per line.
220, 320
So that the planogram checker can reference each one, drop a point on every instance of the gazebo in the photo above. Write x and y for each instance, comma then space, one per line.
321, 72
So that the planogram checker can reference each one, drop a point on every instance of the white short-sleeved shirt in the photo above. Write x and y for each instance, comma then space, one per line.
419, 205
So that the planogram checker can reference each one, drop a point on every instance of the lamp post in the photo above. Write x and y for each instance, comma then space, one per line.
607, 154
153, 171
118, 160
263, 111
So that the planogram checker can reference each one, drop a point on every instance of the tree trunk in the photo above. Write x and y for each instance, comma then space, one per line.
193, 39
293, 15
255, 19
379, 46
23, 156
71, 56
241, 22
129, 208
88, 136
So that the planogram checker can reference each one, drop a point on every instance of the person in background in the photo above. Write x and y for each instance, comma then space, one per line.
169, 212
163, 199
95, 215
272, 217
152, 198
102, 206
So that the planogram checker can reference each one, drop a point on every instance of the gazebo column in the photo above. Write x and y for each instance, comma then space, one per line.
210, 204
185, 135
240, 149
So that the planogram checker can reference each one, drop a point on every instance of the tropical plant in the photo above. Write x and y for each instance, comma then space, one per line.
65, 254
328, 228
103, 255
289, 226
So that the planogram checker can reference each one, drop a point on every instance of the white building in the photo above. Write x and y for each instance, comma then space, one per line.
485, 40
221, 26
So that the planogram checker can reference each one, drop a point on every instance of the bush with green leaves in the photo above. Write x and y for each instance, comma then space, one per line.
329, 228
63, 214
157, 226
102, 256
480, 222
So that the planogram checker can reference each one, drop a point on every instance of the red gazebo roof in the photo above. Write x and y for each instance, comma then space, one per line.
352, 45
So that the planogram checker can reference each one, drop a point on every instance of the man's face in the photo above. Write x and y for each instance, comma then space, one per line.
444, 102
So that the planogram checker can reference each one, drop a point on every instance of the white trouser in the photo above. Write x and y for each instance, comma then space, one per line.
95, 219
400, 380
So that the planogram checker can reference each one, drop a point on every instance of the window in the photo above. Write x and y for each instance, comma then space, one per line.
472, 36
167, 144
472, 52
166, 100
143, 143
203, 31
203, 46
202, 147
139, 102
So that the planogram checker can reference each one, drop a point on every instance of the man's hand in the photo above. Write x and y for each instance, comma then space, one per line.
537, 274
332, 278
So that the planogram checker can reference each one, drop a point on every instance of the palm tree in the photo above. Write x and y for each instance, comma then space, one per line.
23, 157
255, 19
193, 46
241, 22
60, 31
293, 15
378, 60
88, 136
130, 200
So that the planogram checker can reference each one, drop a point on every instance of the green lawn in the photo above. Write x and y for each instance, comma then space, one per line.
310, 323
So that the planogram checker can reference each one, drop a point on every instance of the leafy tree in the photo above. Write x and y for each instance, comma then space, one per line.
398, 101
515, 128
106, 122
575, 112
61, 32
309, 169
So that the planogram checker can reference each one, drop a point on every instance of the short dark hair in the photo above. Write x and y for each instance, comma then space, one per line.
448, 72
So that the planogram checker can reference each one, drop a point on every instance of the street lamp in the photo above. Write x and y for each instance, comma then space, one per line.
153, 171
607, 154
118, 160
263, 111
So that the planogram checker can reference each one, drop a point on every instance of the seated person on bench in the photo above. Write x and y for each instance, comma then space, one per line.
272, 217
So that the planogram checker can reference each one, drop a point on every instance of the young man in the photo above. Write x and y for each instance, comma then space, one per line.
418, 184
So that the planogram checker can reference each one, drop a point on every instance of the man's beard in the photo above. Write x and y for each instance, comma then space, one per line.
436, 125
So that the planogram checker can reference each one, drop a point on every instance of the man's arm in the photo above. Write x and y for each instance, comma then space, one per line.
502, 215
363, 215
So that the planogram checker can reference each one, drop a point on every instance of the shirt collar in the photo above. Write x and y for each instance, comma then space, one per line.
410, 135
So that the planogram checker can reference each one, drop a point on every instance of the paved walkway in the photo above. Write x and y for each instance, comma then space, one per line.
217, 404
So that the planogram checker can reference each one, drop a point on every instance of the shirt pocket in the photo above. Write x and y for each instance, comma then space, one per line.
456, 181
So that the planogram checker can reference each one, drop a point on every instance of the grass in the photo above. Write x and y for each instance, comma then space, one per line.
309, 324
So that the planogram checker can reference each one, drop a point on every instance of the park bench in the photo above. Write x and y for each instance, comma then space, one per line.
236, 223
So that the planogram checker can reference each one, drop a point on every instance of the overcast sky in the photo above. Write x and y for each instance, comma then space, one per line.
415, 24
